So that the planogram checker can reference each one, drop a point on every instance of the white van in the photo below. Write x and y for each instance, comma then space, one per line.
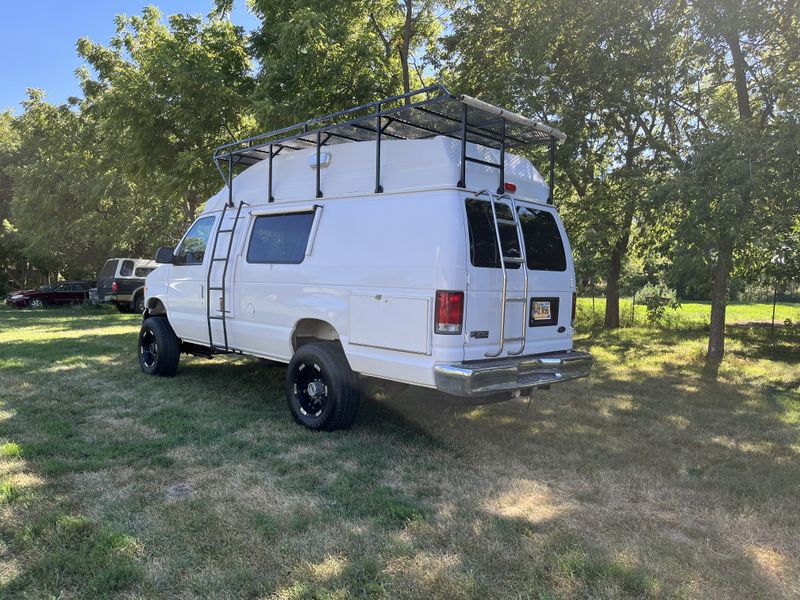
398, 240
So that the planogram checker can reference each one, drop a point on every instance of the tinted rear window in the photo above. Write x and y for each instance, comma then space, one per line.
544, 248
280, 238
482, 237
108, 269
143, 271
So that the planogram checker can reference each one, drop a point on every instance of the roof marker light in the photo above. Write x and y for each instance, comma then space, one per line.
510, 187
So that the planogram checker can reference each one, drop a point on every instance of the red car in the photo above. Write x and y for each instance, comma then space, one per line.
57, 294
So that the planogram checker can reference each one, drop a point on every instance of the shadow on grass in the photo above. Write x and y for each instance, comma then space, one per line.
413, 488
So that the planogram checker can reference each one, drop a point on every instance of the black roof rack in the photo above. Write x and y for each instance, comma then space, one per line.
420, 114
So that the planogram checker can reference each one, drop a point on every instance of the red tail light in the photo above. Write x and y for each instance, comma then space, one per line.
114, 287
574, 307
449, 312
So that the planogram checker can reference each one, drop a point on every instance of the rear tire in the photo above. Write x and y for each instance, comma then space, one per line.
138, 304
159, 349
321, 389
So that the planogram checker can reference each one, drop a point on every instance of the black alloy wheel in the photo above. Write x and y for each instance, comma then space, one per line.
321, 389
159, 349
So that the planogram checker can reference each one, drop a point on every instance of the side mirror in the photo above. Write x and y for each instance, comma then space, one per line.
165, 255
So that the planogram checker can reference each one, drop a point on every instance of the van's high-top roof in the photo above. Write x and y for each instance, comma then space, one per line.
421, 115
407, 165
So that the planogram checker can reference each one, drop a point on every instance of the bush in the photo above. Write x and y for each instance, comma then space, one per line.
656, 298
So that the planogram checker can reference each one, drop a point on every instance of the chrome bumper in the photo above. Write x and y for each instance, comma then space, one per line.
485, 377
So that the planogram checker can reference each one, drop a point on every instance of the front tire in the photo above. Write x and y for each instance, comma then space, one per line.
138, 304
321, 389
159, 348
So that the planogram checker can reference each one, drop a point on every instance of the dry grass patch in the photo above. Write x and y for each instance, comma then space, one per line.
643, 481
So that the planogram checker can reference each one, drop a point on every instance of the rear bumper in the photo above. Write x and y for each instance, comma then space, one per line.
115, 298
486, 377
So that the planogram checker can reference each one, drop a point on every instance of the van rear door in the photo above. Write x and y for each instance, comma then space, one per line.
543, 316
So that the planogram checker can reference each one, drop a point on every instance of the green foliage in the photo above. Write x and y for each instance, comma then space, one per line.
123, 170
657, 297
683, 121
10, 450
322, 56
166, 95
53, 210
11, 255
599, 72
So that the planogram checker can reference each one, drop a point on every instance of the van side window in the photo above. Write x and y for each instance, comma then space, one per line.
482, 237
280, 239
193, 246
126, 270
544, 247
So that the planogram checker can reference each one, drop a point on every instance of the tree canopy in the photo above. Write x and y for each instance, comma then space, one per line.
680, 168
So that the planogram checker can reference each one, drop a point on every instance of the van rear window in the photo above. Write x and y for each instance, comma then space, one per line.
280, 238
544, 248
482, 237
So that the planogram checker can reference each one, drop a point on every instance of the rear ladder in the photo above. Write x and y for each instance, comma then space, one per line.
522, 261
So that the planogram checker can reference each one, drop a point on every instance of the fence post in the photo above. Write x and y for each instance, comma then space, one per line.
774, 302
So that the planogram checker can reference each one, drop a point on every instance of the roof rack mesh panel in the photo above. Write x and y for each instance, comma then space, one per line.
421, 114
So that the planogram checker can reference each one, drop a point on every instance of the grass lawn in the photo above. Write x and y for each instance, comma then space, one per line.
693, 313
641, 481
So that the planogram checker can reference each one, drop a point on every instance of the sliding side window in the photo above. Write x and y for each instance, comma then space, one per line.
280, 239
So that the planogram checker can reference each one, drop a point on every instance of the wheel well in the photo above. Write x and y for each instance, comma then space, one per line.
309, 330
155, 307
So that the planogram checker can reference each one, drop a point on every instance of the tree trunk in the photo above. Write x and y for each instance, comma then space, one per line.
405, 47
719, 302
740, 77
612, 289
615, 269
724, 263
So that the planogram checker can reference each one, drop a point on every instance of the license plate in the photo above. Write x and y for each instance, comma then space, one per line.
541, 311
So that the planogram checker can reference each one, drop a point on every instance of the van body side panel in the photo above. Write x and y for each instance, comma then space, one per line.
392, 322
372, 273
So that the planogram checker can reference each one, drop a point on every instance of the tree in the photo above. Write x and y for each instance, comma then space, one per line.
166, 96
604, 73
11, 258
322, 56
49, 208
744, 151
